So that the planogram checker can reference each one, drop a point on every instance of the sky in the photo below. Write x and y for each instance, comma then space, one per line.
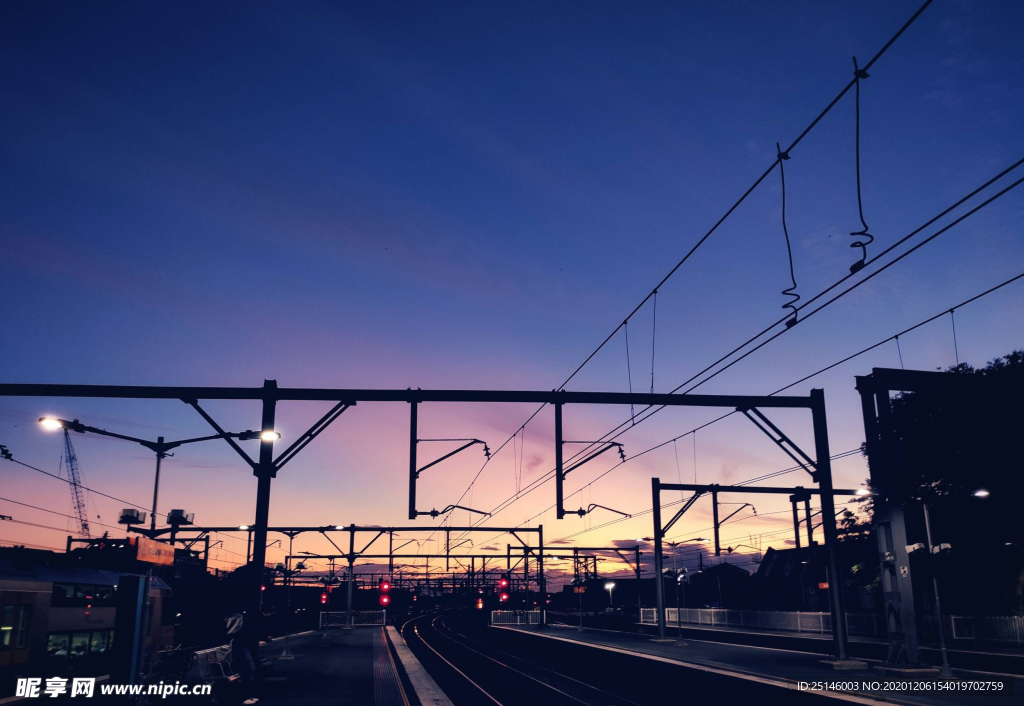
445, 195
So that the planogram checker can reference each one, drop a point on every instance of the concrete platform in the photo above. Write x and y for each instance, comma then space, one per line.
784, 668
349, 667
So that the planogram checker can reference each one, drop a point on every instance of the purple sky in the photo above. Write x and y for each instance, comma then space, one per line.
442, 196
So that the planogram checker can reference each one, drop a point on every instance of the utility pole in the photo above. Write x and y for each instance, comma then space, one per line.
351, 574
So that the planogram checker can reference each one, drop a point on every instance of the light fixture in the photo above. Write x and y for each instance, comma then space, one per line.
269, 435
862, 491
51, 423
981, 493
610, 585
339, 527
243, 527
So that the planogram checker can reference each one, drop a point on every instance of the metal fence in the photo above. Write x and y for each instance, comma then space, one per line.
789, 621
515, 617
1002, 630
359, 617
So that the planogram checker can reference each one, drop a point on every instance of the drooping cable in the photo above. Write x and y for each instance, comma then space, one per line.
629, 373
864, 238
788, 291
956, 352
654, 336
878, 55
899, 352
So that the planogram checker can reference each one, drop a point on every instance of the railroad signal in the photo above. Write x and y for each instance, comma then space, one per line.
503, 581
479, 603
503, 597
323, 598
385, 599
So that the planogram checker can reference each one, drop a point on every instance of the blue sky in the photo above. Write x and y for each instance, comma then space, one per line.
441, 195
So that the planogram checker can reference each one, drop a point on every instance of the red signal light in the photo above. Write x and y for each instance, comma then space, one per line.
503, 583
385, 586
504, 597
323, 598
479, 603
384, 600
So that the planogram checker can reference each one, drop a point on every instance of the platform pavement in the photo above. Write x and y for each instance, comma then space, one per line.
779, 666
347, 668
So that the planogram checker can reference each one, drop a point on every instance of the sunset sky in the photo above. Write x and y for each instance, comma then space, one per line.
473, 196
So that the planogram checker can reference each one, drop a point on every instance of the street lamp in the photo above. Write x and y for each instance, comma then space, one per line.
679, 615
610, 585
981, 493
159, 447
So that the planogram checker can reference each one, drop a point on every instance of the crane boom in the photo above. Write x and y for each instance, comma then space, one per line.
77, 498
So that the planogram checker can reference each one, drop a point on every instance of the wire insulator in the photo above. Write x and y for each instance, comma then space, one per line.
864, 238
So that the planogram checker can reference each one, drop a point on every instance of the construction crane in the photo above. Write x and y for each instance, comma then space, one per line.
75, 481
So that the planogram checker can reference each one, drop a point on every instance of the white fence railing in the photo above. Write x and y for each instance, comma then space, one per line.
1007, 630
334, 619
790, 621
515, 617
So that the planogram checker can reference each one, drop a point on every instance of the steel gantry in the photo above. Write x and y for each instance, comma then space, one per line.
265, 467
836, 602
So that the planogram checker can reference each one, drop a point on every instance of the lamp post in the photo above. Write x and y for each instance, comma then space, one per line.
675, 571
161, 448
610, 586
680, 575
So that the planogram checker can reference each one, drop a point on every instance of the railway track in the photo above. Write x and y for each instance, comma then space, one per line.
473, 672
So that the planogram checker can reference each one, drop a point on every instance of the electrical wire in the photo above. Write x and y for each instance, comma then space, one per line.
878, 55
788, 291
859, 74
797, 382
650, 411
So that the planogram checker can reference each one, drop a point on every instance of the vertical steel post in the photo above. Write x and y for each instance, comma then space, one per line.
828, 523
714, 515
639, 599
391, 551
559, 477
807, 518
796, 521
156, 483
945, 671
659, 587
351, 574
265, 472
541, 583
412, 459
286, 654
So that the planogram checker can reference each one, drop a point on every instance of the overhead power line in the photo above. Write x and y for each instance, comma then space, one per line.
895, 336
653, 293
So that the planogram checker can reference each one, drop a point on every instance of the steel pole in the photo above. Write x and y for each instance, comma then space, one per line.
659, 588
945, 671
351, 574
828, 524
541, 583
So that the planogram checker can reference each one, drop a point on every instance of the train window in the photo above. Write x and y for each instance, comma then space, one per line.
104, 596
63, 594
57, 648
84, 594
98, 643
21, 616
79, 646
6, 626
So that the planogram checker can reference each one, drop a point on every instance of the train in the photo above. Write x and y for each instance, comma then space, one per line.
58, 619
